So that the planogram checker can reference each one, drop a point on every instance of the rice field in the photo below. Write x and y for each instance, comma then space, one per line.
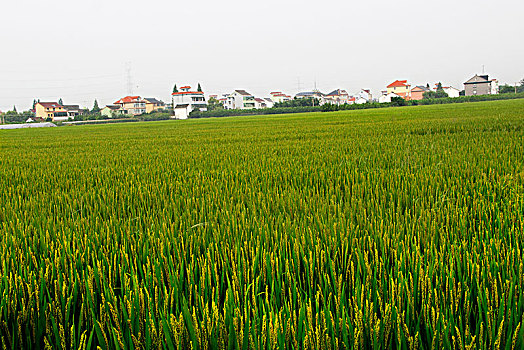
399, 228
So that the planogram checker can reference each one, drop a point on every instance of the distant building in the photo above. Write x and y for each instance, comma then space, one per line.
365, 94
450, 90
269, 102
278, 97
112, 111
152, 104
481, 85
338, 97
133, 105
312, 94
185, 101
56, 111
400, 88
386, 97
417, 93
240, 99
260, 103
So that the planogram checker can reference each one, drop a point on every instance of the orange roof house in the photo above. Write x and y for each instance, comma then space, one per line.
401, 88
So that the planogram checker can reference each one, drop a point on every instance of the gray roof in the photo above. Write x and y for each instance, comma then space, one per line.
336, 92
425, 88
243, 92
112, 106
153, 100
478, 79
71, 106
182, 106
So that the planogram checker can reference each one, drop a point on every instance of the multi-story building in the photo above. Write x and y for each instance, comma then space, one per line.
400, 88
278, 97
152, 104
112, 111
240, 99
312, 94
134, 105
363, 96
338, 97
56, 111
417, 93
185, 101
481, 85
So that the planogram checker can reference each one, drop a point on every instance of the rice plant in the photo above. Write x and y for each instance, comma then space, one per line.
380, 229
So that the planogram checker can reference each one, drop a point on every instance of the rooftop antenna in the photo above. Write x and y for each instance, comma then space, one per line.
483, 70
299, 85
129, 79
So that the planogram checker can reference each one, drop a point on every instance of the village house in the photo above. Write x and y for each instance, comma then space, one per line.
133, 105
481, 85
112, 111
417, 93
364, 96
269, 102
312, 94
386, 97
338, 97
186, 101
152, 104
400, 88
260, 103
56, 111
450, 90
240, 99
278, 97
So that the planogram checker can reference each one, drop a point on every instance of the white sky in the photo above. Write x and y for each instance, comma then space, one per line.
77, 50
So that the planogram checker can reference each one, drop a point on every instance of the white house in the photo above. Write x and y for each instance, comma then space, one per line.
185, 101
450, 90
386, 98
364, 95
338, 97
278, 97
312, 94
269, 102
240, 99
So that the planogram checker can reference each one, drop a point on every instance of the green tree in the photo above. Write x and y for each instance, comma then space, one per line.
439, 93
34, 104
199, 89
398, 101
60, 102
14, 109
175, 89
95, 109
507, 89
213, 104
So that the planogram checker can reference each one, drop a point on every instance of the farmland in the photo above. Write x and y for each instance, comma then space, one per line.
390, 228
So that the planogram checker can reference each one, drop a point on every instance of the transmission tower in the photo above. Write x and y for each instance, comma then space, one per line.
129, 79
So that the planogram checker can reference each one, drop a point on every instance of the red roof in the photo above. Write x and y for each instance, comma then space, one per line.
127, 99
352, 98
186, 87
50, 104
187, 92
398, 83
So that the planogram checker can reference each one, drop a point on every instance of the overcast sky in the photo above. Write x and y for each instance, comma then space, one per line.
78, 50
